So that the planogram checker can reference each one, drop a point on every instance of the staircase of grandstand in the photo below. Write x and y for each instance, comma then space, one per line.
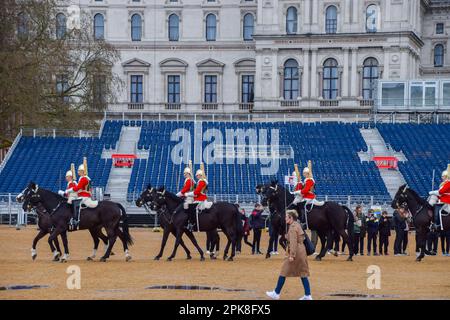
427, 148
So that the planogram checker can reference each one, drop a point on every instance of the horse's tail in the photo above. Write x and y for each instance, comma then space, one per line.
350, 220
125, 228
239, 226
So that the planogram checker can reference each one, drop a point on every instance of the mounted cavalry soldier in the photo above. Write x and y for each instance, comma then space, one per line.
200, 197
83, 190
188, 186
70, 178
298, 186
440, 199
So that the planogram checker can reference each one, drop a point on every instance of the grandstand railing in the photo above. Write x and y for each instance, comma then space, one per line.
59, 133
11, 212
10, 151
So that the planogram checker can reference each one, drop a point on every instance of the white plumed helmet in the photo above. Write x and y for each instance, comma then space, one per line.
306, 170
81, 167
69, 173
187, 170
199, 173
445, 174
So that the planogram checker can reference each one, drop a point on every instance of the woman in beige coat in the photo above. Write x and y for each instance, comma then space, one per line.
296, 263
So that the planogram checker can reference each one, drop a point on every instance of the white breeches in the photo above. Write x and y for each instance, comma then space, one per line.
433, 200
298, 199
187, 202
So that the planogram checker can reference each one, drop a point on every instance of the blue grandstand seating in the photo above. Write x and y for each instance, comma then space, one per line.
45, 160
426, 147
332, 147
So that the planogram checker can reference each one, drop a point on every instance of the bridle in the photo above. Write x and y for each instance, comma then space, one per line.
32, 205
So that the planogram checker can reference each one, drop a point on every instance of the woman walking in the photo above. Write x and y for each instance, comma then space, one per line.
296, 263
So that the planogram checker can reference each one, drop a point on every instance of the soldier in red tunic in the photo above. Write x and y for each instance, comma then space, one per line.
297, 190
70, 184
199, 195
188, 186
441, 198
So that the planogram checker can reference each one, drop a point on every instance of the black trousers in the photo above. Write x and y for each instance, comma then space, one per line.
445, 241
405, 241
384, 243
358, 243
399, 234
239, 243
256, 240
371, 239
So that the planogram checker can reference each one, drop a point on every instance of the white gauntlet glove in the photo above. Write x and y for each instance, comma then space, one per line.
189, 194
179, 194
61, 193
434, 193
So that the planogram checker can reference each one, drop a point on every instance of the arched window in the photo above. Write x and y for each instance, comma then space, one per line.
291, 20
291, 83
174, 27
61, 25
370, 76
331, 20
211, 27
330, 79
22, 24
136, 27
372, 18
249, 22
99, 26
439, 55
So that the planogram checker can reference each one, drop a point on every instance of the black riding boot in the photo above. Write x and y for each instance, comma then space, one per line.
191, 217
437, 221
73, 224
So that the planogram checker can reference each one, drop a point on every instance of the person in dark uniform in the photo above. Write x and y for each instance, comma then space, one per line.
399, 226
257, 223
384, 233
372, 232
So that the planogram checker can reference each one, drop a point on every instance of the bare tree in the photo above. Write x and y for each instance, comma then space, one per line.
51, 75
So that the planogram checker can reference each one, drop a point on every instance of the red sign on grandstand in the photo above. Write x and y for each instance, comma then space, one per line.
386, 162
123, 160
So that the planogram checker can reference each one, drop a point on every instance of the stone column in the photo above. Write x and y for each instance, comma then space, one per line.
404, 63
340, 82
345, 74
315, 11
354, 80
386, 63
320, 86
305, 78
314, 91
307, 13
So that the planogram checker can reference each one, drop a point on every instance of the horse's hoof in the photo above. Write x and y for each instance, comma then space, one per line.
213, 257
169, 259
202, 258
230, 259
418, 259
128, 258
335, 254
102, 259
34, 257
157, 258
63, 260
267, 255
188, 258
225, 257
318, 258
112, 253
349, 259
89, 259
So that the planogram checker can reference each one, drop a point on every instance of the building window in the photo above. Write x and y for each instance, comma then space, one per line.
372, 18
291, 20
370, 76
136, 27
99, 91
393, 94
136, 89
22, 25
174, 27
173, 89
247, 90
62, 84
439, 55
439, 28
211, 27
291, 83
330, 79
60, 25
248, 26
210, 89
99, 26
331, 20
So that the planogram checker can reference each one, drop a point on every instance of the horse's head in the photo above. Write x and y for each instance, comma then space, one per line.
260, 189
400, 201
30, 197
160, 198
272, 193
146, 197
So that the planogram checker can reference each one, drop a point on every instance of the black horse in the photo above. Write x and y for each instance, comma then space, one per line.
45, 227
407, 199
165, 217
326, 219
276, 219
223, 215
107, 215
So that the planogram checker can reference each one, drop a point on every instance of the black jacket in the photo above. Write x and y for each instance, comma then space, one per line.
256, 220
399, 222
385, 226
